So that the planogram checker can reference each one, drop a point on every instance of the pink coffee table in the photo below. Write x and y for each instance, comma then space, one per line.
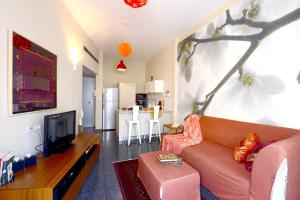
168, 182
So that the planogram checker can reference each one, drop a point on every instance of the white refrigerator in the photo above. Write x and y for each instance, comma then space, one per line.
110, 106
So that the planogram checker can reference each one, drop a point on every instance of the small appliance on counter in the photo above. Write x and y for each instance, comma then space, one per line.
161, 104
141, 100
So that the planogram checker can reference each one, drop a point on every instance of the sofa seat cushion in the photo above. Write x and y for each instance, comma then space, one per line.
218, 170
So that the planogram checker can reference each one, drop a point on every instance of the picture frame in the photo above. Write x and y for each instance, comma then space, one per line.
32, 76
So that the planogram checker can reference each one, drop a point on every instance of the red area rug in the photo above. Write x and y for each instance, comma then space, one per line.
131, 186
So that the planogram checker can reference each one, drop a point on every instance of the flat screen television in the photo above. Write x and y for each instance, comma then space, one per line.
59, 131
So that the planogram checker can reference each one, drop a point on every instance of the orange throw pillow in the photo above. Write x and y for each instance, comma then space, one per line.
246, 146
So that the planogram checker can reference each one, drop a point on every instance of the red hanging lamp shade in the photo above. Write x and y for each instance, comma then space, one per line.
121, 66
136, 3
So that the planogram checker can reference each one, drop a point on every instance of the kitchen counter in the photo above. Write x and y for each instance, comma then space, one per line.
120, 111
123, 115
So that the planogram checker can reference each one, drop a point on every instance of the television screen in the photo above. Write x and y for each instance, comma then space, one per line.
59, 131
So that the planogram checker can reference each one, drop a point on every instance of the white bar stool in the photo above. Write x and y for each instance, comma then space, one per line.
154, 122
131, 123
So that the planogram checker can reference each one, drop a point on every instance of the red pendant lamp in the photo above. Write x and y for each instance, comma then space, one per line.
136, 3
121, 66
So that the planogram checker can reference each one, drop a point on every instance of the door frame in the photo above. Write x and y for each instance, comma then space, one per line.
86, 72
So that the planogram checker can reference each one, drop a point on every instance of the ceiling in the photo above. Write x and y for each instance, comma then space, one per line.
150, 28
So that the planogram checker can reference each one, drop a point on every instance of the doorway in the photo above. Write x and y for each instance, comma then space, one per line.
88, 98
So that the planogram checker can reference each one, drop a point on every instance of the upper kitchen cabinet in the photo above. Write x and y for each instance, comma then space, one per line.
156, 86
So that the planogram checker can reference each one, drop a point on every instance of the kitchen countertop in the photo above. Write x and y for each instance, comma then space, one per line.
120, 111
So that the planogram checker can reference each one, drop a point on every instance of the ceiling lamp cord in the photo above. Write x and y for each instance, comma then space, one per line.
124, 49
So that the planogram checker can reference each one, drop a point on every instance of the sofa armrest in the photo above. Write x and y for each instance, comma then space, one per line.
266, 165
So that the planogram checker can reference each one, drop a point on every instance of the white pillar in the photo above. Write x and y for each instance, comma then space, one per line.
99, 88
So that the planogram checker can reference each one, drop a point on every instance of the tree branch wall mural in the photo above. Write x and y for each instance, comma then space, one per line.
252, 30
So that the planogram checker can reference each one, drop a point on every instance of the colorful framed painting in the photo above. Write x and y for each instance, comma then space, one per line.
32, 78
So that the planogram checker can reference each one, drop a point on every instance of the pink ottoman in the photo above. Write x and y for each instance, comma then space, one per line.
168, 182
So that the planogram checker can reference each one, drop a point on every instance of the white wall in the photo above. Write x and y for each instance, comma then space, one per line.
49, 24
161, 67
135, 73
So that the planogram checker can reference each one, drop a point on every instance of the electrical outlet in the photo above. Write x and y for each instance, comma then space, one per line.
37, 129
30, 129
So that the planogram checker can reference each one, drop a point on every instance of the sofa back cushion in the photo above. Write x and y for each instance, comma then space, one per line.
229, 132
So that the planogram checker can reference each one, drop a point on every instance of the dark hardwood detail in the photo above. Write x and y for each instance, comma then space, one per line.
38, 182
90, 54
75, 187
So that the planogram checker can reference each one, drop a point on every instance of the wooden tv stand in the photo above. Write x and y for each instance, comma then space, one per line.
40, 182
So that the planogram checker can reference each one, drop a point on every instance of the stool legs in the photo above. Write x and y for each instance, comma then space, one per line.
150, 131
145, 132
158, 129
153, 125
129, 132
138, 132
125, 130
130, 129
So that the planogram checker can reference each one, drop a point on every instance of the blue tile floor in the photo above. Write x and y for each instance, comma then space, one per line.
102, 183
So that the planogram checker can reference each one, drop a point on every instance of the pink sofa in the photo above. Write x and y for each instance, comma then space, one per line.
227, 179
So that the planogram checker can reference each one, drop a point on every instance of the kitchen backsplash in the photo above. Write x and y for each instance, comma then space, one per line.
167, 100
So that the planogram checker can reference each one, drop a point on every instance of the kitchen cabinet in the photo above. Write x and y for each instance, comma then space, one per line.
127, 93
156, 86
